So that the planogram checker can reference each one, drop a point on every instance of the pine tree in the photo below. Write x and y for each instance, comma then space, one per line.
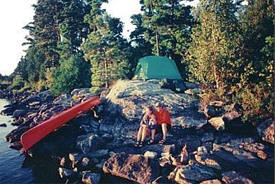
139, 46
73, 73
166, 25
72, 28
104, 48
256, 85
213, 52
44, 30
58, 29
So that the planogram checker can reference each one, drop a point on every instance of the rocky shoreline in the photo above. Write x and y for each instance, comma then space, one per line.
208, 146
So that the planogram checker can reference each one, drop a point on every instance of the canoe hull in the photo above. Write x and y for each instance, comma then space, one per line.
35, 134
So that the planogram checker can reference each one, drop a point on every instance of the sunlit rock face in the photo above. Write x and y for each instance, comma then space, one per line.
129, 98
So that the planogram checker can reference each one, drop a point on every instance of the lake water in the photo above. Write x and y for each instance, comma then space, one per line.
11, 163
11, 170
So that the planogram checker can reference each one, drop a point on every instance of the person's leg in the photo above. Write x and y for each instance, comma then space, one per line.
139, 133
164, 131
153, 133
144, 133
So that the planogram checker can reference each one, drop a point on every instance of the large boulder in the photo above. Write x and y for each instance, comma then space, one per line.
88, 143
192, 173
217, 123
244, 150
215, 181
232, 177
132, 167
128, 98
208, 161
247, 157
19, 113
90, 178
266, 131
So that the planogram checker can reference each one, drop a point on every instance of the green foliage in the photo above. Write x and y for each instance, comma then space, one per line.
44, 32
72, 28
165, 27
255, 89
232, 55
17, 83
71, 74
58, 28
5, 78
226, 45
105, 49
215, 41
5, 81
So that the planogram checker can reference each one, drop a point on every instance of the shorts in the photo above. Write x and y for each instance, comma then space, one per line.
153, 127
159, 129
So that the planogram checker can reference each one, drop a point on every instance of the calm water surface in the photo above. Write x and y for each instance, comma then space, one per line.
11, 162
11, 170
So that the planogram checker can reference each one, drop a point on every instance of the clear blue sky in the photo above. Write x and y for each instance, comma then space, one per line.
15, 14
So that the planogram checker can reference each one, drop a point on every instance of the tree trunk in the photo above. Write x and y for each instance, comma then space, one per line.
172, 14
105, 68
106, 73
157, 43
215, 59
215, 76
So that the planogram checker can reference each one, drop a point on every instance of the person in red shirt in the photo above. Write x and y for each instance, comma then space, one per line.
163, 120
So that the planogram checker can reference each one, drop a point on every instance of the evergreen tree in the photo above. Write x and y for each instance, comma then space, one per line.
255, 90
29, 67
167, 26
139, 46
137, 37
44, 30
42, 54
231, 54
213, 55
104, 48
72, 27
57, 30
73, 73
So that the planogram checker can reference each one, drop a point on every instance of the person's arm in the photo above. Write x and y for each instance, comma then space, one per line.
154, 119
143, 119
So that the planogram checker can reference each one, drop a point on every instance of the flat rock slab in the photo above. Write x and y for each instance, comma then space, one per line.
192, 173
90, 178
129, 97
232, 177
132, 167
266, 131
215, 181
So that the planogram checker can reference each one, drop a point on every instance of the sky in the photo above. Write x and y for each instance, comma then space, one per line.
123, 9
15, 14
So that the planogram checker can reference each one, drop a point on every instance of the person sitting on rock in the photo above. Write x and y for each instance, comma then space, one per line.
148, 121
163, 120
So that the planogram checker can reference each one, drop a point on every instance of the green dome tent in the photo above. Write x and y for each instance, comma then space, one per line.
156, 67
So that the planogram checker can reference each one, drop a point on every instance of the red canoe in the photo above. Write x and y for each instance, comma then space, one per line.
34, 135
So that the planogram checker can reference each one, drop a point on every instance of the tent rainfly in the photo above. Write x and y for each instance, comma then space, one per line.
156, 67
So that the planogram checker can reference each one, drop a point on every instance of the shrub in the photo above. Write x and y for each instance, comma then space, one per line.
72, 73
17, 83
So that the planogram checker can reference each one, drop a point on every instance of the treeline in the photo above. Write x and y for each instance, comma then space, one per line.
225, 45
231, 53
